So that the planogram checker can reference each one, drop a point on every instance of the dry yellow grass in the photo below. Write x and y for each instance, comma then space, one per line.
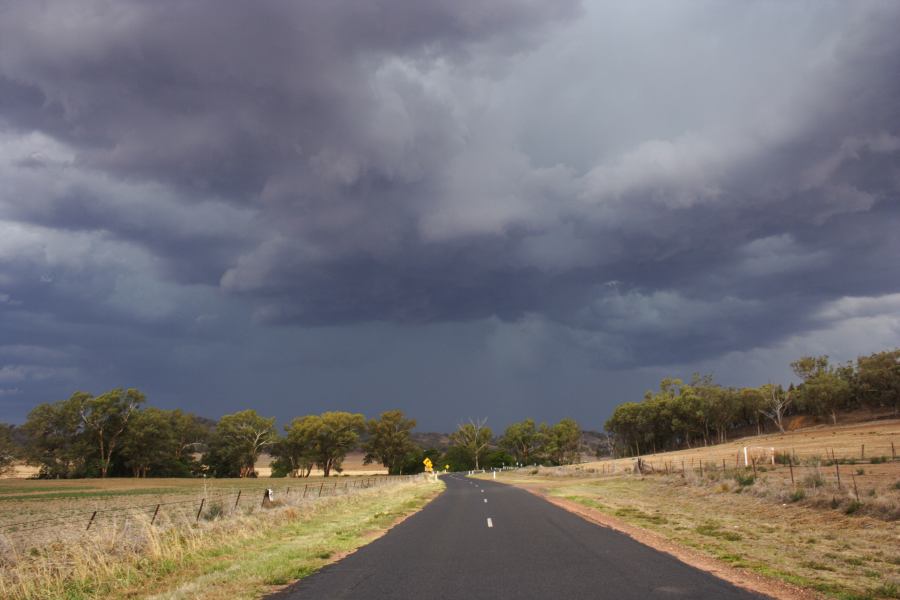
834, 554
37, 512
811, 533
227, 554
846, 441
353, 465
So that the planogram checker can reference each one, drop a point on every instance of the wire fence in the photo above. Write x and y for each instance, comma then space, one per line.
207, 505
864, 474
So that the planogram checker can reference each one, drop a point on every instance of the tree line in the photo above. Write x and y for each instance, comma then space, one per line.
117, 434
684, 414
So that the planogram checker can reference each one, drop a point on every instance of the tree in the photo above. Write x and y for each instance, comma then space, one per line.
295, 454
8, 450
723, 407
158, 442
389, 440
458, 458
563, 442
473, 437
824, 390
808, 367
625, 425
105, 418
237, 442
777, 402
56, 441
496, 459
191, 432
751, 401
335, 434
523, 440
148, 442
879, 379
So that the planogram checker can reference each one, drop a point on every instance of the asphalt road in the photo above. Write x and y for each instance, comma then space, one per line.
481, 539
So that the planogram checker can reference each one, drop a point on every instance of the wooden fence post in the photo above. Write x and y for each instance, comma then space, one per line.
855, 489
155, 512
236, 500
791, 467
91, 522
701, 468
202, 502
837, 470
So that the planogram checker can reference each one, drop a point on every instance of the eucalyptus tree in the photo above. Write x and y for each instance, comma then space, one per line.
473, 438
237, 442
8, 449
390, 442
105, 418
56, 441
524, 440
334, 434
878, 377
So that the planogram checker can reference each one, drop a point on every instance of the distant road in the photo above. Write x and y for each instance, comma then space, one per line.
481, 539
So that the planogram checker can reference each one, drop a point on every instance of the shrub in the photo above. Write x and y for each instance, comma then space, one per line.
797, 495
213, 511
785, 458
744, 480
852, 507
877, 460
860, 471
887, 590
814, 480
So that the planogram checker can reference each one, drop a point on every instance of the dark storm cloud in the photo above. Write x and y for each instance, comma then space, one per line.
626, 186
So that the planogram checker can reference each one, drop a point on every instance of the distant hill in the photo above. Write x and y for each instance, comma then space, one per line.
431, 439
592, 442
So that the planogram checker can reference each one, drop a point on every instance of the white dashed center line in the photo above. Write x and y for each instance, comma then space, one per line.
490, 523
485, 500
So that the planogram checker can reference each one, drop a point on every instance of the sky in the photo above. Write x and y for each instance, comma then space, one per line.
494, 210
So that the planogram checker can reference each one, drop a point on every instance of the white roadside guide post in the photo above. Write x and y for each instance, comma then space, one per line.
495, 474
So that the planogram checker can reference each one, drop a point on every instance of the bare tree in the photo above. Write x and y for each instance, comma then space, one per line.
474, 437
777, 401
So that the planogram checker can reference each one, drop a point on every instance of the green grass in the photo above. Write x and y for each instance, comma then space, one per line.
585, 501
634, 513
713, 529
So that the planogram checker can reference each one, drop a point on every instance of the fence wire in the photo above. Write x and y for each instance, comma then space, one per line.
194, 508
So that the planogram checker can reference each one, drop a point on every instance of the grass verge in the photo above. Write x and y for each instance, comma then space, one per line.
826, 552
235, 558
